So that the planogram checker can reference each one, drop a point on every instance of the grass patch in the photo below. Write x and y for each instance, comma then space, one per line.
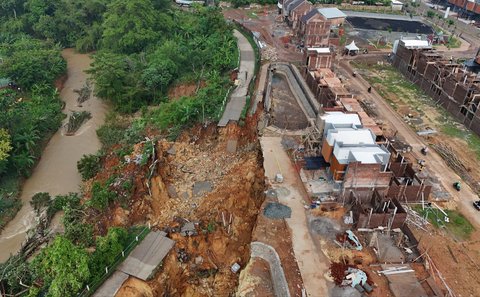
458, 225
391, 84
453, 129
252, 15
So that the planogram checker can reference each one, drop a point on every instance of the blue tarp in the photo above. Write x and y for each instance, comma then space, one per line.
315, 163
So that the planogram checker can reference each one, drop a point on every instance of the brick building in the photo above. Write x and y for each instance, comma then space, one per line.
318, 57
466, 7
448, 83
293, 10
314, 29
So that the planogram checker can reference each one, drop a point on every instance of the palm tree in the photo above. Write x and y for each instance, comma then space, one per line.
26, 140
23, 162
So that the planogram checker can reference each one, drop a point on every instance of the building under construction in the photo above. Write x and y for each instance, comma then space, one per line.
449, 83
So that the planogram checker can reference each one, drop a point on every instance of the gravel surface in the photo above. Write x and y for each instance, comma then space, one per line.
277, 211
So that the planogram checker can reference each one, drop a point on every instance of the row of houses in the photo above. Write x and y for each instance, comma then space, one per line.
361, 164
314, 27
454, 86
358, 156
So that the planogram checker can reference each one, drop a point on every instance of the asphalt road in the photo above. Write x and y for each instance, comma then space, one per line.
238, 98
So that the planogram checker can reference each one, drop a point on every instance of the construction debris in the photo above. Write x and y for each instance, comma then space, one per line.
458, 166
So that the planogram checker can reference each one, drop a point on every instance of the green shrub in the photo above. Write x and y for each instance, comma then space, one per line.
107, 248
40, 201
89, 165
101, 196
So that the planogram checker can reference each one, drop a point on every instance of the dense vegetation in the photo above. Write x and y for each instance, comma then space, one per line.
142, 48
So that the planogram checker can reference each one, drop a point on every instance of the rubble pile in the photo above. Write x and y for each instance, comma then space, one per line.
269, 53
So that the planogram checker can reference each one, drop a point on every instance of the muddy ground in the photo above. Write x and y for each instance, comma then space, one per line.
224, 211
273, 31
286, 113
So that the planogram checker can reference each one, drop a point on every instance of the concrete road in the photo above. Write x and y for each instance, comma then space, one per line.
312, 262
435, 163
238, 98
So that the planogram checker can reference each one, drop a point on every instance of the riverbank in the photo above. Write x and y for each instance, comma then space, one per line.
56, 172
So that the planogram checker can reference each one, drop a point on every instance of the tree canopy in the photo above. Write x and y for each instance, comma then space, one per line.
64, 266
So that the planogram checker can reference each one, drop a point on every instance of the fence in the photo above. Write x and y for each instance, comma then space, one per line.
90, 288
252, 39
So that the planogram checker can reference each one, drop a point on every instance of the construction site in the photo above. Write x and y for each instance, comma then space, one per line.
322, 189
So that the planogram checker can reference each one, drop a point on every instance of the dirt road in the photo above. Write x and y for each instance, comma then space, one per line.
435, 163
57, 173
312, 262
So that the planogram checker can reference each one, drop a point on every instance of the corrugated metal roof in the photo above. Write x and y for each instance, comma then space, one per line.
4, 82
332, 13
144, 259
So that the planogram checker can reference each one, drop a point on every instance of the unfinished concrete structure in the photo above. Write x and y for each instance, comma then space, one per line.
448, 83
406, 185
318, 57
376, 211
333, 96
356, 162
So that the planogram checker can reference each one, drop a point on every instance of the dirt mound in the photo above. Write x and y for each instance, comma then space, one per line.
224, 216
134, 287
181, 90
325, 227
256, 280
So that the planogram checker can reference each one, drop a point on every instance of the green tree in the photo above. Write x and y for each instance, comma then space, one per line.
63, 266
29, 62
89, 165
431, 14
5, 145
107, 248
101, 196
75, 230
159, 75
40, 201
129, 25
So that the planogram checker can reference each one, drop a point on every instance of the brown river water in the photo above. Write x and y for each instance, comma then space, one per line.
56, 173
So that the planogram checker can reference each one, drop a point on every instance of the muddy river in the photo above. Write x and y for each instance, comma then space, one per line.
56, 173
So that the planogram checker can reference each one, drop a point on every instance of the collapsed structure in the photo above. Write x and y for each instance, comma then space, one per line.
448, 83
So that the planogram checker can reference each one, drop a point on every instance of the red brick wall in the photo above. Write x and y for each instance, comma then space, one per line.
298, 12
366, 175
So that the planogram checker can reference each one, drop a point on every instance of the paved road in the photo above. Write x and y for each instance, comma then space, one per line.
381, 16
238, 98
435, 163
312, 262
